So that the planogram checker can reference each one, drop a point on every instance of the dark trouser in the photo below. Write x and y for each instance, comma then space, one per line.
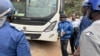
72, 44
73, 39
64, 44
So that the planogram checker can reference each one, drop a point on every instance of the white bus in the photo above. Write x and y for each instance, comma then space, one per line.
38, 18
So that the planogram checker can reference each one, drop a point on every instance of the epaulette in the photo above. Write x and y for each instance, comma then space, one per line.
18, 29
89, 33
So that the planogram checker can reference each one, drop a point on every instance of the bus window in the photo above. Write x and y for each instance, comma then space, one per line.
35, 8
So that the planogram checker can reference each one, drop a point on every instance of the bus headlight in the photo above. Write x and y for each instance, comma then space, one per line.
50, 27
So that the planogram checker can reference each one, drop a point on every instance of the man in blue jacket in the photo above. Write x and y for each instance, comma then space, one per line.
12, 40
64, 30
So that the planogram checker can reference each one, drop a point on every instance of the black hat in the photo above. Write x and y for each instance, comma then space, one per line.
63, 16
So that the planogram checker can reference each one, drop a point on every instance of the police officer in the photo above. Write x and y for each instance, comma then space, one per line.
85, 22
12, 40
90, 38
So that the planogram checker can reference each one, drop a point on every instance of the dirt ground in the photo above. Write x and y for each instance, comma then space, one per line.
40, 48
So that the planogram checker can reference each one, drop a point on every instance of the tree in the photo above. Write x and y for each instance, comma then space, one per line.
73, 6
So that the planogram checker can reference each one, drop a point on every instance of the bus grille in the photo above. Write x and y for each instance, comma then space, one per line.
33, 36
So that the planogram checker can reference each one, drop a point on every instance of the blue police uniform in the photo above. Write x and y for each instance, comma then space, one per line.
13, 42
85, 22
90, 37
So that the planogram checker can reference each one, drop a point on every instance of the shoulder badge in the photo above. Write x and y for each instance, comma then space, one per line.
89, 33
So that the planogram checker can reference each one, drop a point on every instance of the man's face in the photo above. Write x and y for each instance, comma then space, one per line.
73, 17
63, 19
90, 14
84, 10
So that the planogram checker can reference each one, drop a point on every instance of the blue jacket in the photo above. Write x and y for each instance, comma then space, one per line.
13, 42
85, 22
67, 27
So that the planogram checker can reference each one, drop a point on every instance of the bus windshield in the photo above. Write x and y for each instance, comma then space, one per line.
34, 8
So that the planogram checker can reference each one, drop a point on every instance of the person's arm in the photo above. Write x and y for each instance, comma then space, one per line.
58, 29
23, 47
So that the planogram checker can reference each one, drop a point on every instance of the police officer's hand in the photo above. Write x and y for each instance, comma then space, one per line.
77, 52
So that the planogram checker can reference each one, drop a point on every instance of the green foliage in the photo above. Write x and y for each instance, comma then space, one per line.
73, 6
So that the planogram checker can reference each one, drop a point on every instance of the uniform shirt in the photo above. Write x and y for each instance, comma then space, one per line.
85, 22
67, 28
90, 40
13, 42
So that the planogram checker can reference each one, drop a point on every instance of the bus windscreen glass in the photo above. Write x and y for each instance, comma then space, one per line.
34, 8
